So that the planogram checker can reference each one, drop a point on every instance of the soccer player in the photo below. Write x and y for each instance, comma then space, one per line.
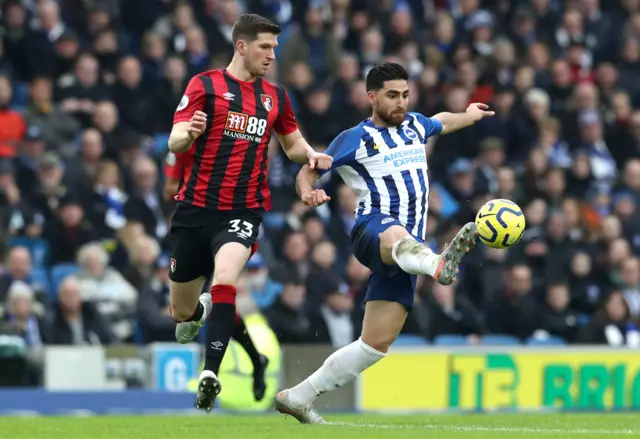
222, 125
173, 172
384, 160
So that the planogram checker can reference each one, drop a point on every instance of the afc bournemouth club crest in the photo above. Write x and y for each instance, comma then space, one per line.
172, 265
267, 102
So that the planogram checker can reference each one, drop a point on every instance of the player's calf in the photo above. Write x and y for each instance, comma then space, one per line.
229, 263
183, 297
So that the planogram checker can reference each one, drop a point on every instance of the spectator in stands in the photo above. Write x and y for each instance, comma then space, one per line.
83, 167
19, 268
629, 284
142, 258
342, 220
131, 98
557, 319
79, 93
77, 321
12, 125
514, 311
310, 43
58, 128
154, 310
145, 204
586, 291
263, 289
106, 121
295, 257
287, 316
104, 206
611, 325
169, 91
451, 314
107, 289
52, 185
68, 231
21, 316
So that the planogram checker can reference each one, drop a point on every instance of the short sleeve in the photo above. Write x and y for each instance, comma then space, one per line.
432, 127
343, 149
173, 166
286, 121
193, 100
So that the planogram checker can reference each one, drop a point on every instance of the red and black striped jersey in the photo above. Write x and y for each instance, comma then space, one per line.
226, 168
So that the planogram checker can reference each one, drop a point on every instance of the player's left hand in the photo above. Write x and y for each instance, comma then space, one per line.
319, 160
315, 198
479, 111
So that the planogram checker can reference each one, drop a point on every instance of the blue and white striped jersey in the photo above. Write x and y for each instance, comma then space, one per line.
387, 168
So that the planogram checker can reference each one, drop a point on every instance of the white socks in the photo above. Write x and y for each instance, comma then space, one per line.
414, 257
343, 366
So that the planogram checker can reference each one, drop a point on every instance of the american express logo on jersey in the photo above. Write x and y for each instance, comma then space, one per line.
406, 156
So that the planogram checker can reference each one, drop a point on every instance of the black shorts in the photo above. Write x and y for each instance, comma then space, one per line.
197, 234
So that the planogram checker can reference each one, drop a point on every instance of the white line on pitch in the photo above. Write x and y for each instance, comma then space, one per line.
487, 429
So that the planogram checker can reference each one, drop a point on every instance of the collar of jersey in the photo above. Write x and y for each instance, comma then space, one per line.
369, 123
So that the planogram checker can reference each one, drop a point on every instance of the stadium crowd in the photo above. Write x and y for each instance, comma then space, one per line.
87, 94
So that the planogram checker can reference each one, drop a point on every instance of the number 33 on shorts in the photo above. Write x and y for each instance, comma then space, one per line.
243, 229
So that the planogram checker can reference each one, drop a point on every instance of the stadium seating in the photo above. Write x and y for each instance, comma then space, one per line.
59, 272
161, 143
499, 340
410, 340
450, 340
550, 341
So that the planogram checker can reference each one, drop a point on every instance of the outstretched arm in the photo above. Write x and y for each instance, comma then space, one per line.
299, 151
452, 122
305, 182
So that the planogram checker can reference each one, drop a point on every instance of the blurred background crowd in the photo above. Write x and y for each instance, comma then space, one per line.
88, 89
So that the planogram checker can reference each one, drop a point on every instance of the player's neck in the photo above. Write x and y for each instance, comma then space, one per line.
238, 71
378, 122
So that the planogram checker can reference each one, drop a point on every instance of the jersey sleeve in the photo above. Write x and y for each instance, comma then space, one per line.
286, 121
192, 101
343, 149
432, 127
173, 166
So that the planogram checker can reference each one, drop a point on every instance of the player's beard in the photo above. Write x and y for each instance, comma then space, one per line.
392, 118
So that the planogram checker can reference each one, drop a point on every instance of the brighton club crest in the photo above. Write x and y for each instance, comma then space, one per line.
172, 265
267, 102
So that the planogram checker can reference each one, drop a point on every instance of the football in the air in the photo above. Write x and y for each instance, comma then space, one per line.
500, 223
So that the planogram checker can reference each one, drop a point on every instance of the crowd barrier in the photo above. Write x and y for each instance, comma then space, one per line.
408, 380
567, 378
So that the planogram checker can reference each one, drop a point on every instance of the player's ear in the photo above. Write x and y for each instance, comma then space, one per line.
371, 96
241, 47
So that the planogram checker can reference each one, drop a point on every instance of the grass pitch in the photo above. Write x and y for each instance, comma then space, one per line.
565, 426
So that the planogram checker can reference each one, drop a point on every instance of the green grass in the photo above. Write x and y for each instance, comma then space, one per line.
583, 426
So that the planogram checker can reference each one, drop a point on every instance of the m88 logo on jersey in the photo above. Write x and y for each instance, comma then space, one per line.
245, 127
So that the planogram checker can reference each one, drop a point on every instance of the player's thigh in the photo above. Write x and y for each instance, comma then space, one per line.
190, 265
233, 245
372, 239
388, 301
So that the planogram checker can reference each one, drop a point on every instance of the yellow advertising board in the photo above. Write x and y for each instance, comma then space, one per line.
519, 379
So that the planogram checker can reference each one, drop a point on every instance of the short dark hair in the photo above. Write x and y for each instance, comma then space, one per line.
249, 26
388, 71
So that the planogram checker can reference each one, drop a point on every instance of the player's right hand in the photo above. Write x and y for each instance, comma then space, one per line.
197, 125
315, 198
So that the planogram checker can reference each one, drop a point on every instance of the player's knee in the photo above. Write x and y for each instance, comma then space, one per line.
181, 313
387, 240
379, 342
